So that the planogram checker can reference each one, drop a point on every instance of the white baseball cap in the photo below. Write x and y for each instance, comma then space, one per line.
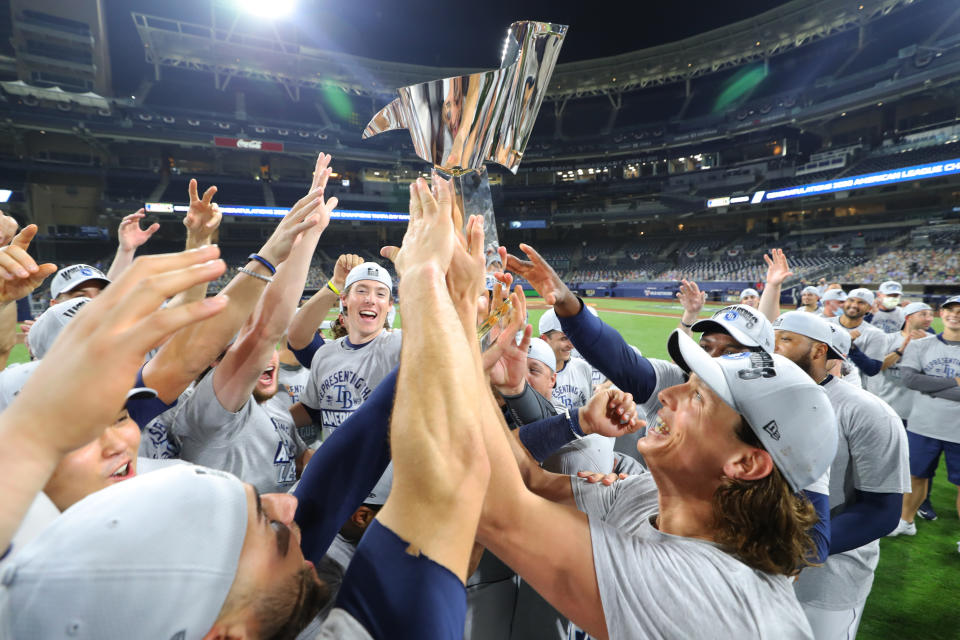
540, 350
841, 341
951, 300
369, 271
745, 324
69, 278
813, 327
748, 292
381, 491
549, 322
50, 323
152, 557
891, 288
812, 290
834, 294
863, 294
789, 413
914, 307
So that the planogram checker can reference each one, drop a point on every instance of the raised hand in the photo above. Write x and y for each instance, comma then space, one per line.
341, 270
19, 273
8, 229
610, 413
430, 238
777, 268
130, 235
690, 296
466, 275
107, 342
203, 217
541, 276
309, 212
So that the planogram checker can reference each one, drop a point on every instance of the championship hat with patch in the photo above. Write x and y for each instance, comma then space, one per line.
834, 294
891, 288
862, 294
813, 327
69, 278
152, 557
540, 350
746, 293
50, 323
369, 271
790, 414
745, 324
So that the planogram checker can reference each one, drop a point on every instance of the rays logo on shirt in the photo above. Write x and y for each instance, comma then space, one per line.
341, 394
943, 367
294, 391
159, 444
570, 396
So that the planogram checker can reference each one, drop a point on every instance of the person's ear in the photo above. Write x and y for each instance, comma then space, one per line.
750, 463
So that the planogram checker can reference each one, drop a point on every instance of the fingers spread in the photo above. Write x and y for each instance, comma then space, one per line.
208, 194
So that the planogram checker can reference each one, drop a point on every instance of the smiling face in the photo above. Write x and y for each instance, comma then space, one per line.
951, 320
694, 437
540, 377
920, 321
750, 301
855, 308
366, 303
109, 459
560, 344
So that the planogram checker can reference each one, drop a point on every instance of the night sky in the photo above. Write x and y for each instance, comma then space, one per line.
453, 33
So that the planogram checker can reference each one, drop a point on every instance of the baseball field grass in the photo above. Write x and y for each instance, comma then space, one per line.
916, 591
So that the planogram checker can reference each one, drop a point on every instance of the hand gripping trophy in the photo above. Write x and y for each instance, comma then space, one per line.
459, 123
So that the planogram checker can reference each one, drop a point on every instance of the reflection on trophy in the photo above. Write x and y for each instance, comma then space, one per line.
459, 123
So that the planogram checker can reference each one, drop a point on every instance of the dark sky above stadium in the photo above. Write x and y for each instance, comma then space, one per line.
452, 32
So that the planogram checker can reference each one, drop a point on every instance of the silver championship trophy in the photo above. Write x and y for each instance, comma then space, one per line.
457, 124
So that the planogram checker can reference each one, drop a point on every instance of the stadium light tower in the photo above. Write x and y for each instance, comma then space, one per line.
270, 9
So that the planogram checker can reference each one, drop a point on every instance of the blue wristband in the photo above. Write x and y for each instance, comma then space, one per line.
264, 262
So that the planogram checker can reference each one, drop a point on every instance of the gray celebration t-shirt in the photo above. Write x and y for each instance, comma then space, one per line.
888, 321
934, 417
872, 456
888, 383
574, 385
342, 376
657, 585
253, 444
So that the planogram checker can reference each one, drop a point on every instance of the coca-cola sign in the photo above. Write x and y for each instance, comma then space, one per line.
242, 143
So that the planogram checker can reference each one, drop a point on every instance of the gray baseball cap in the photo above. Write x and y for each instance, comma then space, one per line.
863, 294
369, 271
914, 307
951, 300
790, 414
540, 350
381, 491
69, 278
813, 327
745, 324
152, 557
748, 292
891, 288
50, 323
834, 294
812, 290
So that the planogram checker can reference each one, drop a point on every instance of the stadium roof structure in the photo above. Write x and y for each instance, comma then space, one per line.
227, 52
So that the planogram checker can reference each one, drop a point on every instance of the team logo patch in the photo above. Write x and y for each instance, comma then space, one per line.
736, 356
373, 271
730, 316
772, 428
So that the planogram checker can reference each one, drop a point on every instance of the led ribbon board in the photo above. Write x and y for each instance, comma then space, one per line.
276, 212
893, 176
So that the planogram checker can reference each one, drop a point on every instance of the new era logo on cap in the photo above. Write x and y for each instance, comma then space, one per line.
772, 428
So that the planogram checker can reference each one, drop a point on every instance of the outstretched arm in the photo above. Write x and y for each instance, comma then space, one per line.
129, 237
104, 347
189, 352
692, 300
777, 272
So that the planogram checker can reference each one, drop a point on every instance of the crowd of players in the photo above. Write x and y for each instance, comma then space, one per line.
171, 472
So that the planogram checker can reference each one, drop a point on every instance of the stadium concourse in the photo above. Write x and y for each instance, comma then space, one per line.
261, 377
